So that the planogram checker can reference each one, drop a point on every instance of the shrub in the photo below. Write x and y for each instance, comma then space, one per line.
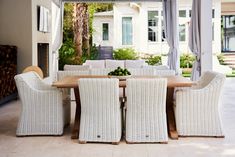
93, 54
186, 60
67, 54
154, 60
124, 54
221, 58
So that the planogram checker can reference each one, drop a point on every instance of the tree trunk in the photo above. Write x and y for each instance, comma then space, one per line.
78, 28
85, 34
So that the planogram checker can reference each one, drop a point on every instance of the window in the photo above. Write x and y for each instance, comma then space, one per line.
182, 13
228, 33
127, 31
182, 35
213, 30
105, 31
213, 13
152, 26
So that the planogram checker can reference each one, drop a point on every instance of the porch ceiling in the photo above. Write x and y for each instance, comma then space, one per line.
112, 1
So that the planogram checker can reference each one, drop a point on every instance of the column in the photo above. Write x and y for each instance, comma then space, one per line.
206, 35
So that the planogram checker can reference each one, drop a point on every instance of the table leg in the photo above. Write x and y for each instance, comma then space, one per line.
75, 130
171, 115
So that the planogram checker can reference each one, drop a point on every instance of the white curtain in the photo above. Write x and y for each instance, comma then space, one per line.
171, 27
194, 39
57, 33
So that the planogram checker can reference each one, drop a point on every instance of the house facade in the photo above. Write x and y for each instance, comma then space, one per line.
140, 26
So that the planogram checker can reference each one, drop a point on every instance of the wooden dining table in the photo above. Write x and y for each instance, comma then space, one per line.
172, 83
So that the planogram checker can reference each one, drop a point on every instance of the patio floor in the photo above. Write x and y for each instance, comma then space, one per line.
63, 146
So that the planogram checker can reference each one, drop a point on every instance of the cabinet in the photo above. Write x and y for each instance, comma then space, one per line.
8, 69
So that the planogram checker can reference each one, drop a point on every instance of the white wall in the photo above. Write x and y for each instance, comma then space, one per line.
98, 32
40, 37
123, 10
15, 29
140, 27
18, 26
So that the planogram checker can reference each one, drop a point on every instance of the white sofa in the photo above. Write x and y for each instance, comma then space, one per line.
115, 63
137, 67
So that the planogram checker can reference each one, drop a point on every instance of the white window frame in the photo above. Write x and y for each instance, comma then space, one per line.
158, 25
132, 17
108, 31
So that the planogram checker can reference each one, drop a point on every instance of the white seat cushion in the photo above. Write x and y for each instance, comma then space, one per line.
134, 63
114, 63
95, 63
76, 67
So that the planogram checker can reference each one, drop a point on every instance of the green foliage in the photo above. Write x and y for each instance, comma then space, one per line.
154, 60
221, 58
93, 54
68, 21
124, 54
66, 53
67, 50
186, 60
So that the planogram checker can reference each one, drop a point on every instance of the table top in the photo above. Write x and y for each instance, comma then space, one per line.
172, 81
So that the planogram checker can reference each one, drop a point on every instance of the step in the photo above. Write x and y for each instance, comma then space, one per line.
229, 63
229, 60
229, 57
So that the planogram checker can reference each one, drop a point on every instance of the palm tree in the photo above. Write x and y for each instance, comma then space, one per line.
78, 28
85, 33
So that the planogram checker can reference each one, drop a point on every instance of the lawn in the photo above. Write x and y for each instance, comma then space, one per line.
188, 74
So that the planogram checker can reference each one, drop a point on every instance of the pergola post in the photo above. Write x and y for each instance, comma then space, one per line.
206, 35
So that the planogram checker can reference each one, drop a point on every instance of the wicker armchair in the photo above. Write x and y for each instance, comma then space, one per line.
100, 111
197, 108
146, 110
42, 109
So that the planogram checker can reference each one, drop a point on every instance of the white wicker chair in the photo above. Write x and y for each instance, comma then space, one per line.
146, 110
68, 94
197, 108
62, 74
164, 72
100, 110
103, 71
42, 109
142, 71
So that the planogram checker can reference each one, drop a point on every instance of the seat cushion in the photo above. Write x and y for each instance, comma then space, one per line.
115, 63
95, 63
134, 63
76, 67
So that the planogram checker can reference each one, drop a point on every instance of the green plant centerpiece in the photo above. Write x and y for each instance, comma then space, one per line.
120, 73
